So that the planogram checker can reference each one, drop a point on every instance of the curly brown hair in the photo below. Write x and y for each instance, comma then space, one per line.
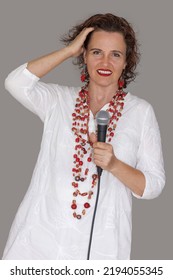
110, 23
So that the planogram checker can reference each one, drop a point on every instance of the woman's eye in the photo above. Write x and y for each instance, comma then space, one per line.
96, 52
116, 54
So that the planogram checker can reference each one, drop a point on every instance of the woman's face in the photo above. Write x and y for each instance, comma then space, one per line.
105, 57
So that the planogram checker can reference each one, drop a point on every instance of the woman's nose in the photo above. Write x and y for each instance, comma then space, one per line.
105, 60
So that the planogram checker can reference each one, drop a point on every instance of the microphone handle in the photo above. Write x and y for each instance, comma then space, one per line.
101, 137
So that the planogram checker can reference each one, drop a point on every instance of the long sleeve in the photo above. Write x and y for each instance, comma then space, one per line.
150, 157
36, 96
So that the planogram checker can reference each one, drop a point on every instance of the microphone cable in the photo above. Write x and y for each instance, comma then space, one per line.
94, 215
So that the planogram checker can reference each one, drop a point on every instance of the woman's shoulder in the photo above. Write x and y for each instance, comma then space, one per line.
137, 102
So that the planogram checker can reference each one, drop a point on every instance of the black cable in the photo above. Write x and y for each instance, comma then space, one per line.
94, 214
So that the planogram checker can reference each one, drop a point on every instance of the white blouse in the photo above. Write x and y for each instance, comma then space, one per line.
44, 226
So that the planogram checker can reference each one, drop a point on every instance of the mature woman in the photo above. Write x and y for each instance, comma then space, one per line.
54, 219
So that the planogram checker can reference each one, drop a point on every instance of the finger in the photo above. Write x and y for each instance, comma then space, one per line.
99, 152
87, 30
93, 137
98, 158
84, 33
103, 146
98, 162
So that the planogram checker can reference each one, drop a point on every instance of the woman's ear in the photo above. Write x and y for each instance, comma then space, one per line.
125, 66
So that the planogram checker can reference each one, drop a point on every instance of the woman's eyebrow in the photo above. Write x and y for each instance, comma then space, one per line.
117, 51
95, 49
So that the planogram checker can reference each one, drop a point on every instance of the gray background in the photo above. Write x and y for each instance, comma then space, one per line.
32, 28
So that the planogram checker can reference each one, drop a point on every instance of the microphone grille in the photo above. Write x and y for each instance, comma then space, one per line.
102, 117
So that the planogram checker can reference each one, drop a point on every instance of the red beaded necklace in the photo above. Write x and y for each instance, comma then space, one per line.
83, 147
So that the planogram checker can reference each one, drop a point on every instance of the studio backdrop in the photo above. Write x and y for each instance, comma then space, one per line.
30, 29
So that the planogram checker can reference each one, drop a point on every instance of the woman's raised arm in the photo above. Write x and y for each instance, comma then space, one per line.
43, 65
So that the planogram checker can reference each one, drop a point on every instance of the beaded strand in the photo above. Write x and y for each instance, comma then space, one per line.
83, 147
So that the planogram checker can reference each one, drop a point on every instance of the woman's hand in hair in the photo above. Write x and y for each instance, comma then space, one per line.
76, 46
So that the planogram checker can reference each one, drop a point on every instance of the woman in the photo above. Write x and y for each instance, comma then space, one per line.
54, 219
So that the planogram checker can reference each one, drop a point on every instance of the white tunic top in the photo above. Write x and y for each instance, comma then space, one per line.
44, 227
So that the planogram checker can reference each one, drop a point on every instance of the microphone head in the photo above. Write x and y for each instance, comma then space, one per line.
102, 117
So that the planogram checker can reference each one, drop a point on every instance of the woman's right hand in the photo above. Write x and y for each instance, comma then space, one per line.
43, 65
76, 46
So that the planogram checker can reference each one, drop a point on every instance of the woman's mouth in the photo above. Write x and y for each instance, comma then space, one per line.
104, 72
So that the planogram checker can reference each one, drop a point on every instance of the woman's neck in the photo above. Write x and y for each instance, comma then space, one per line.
99, 96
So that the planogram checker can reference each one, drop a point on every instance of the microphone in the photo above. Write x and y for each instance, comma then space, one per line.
102, 119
